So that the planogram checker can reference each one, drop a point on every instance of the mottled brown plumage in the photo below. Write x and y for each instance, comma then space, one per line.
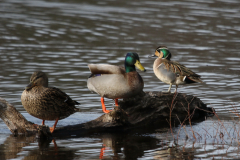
46, 103
179, 69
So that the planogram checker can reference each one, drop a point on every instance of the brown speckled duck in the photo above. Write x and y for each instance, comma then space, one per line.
172, 72
46, 103
115, 82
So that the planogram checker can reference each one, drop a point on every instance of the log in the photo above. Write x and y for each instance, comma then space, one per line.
15, 121
146, 111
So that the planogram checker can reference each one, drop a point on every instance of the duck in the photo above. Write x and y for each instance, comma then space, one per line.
46, 103
116, 82
172, 72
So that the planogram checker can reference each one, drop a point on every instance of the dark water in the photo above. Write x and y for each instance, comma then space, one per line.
61, 37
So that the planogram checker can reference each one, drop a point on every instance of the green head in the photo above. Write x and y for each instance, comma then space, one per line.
132, 60
163, 52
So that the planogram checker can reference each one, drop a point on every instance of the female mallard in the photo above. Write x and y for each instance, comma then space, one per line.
46, 103
172, 72
115, 82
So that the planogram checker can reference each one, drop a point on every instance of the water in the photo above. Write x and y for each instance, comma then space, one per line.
62, 37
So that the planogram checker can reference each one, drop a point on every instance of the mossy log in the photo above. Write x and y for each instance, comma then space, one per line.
147, 110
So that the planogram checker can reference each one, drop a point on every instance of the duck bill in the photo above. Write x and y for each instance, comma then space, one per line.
29, 86
153, 55
139, 66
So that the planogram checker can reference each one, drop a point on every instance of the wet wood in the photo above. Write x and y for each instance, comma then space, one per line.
147, 110
15, 121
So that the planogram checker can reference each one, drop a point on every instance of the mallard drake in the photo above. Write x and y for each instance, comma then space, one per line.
172, 72
115, 82
46, 103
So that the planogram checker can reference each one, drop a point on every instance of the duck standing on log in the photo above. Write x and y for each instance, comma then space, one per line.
46, 103
115, 82
172, 72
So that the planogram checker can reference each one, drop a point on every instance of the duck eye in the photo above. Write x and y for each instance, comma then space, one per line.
159, 50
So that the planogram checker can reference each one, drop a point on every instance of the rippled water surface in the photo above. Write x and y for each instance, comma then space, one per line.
61, 37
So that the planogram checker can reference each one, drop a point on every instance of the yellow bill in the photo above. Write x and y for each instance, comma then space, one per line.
139, 66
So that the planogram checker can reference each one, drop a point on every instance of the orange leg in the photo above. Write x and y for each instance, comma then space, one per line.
35, 125
102, 152
55, 146
54, 126
43, 122
116, 102
103, 106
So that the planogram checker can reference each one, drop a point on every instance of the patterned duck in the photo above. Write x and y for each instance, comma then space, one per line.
172, 72
46, 103
115, 82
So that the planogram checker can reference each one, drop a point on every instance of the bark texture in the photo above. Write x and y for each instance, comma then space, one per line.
15, 121
147, 110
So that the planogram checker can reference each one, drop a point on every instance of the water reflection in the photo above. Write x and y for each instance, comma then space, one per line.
106, 146
114, 146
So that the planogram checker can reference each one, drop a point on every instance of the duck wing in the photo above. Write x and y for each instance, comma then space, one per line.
181, 70
105, 69
58, 102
